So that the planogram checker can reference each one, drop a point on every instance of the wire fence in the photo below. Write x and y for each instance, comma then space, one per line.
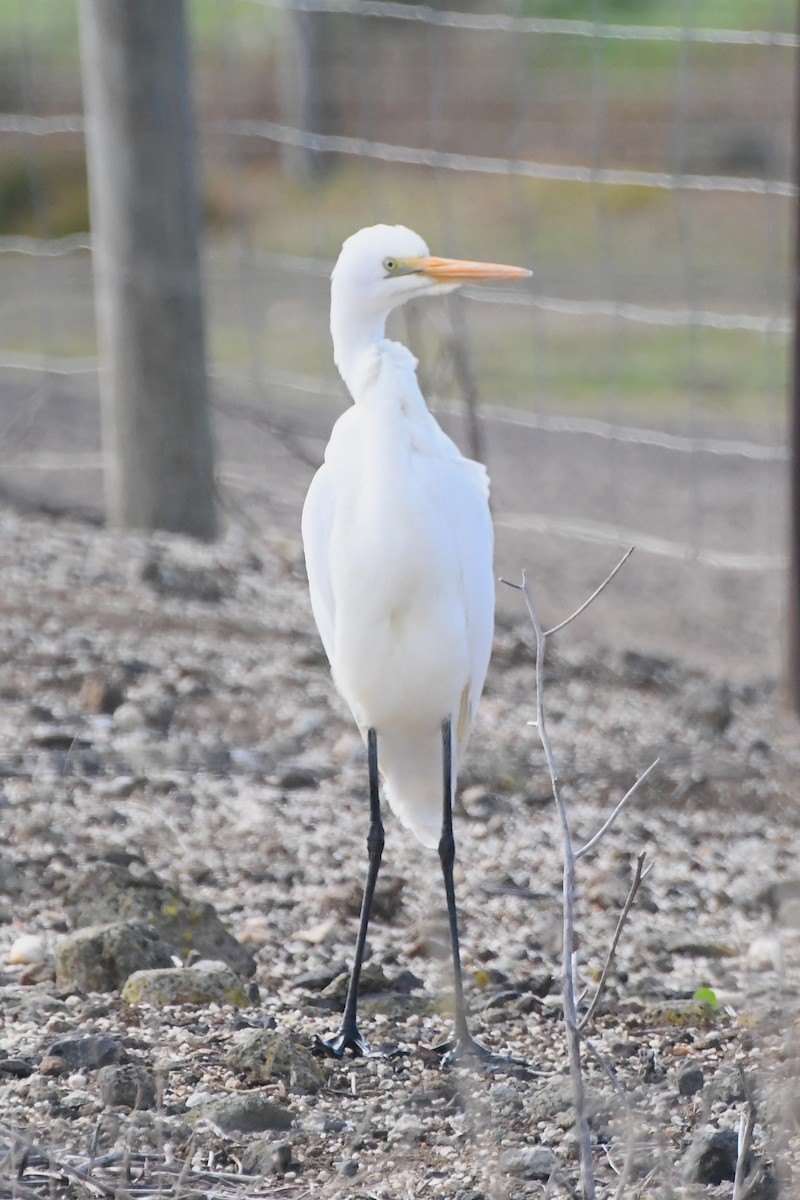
635, 392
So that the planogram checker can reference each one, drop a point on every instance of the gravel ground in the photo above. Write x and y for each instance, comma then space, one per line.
165, 707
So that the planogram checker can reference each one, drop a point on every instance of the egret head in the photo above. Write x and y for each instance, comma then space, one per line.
380, 268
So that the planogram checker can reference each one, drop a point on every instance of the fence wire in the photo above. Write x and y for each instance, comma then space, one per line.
642, 171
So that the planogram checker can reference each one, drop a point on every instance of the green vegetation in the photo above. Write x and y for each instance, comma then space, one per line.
52, 25
717, 14
706, 995
644, 246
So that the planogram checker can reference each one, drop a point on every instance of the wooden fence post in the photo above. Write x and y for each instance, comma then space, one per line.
158, 457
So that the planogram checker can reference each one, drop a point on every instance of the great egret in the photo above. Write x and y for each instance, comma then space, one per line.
398, 545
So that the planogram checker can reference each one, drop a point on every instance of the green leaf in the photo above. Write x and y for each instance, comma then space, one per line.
706, 995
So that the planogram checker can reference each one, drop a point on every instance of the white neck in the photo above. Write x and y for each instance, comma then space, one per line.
352, 336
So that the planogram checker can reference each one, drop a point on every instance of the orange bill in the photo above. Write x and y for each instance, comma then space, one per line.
457, 270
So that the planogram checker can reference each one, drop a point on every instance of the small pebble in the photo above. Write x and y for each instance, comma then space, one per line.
28, 948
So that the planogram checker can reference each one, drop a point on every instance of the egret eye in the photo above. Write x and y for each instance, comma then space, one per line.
389, 265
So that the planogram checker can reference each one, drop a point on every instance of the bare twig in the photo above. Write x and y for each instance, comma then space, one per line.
603, 830
570, 859
568, 620
58, 1166
609, 1071
568, 897
639, 875
746, 1126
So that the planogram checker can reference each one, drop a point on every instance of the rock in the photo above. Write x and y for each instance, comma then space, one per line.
86, 1053
112, 892
386, 903
765, 953
247, 1112
99, 958
100, 695
690, 1080
121, 786
261, 1054
295, 779
707, 705
645, 670
727, 1086
782, 1104
214, 984
783, 901
11, 882
130, 1085
129, 717
263, 1156
554, 1102
28, 948
182, 582
761, 1184
697, 947
711, 1158
373, 979
530, 1162
17, 1068
680, 1013
651, 1066
318, 979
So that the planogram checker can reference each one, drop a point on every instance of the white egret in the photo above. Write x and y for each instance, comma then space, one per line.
398, 544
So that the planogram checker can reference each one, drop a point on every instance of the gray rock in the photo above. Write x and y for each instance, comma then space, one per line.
130, 1085
386, 902
113, 892
553, 1101
697, 947
711, 1158
761, 1184
264, 1156
11, 881
530, 1162
373, 979
783, 900
727, 1086
261, 1054
181, 581
99, 958
87, 1053
691, 1080
707, 704
316, 980
295, 779
247, 1112
212, 984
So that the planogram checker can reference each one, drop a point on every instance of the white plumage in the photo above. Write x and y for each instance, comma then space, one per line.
397, 533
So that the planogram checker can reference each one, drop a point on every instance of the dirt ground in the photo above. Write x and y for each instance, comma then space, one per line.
165, 707
706, 584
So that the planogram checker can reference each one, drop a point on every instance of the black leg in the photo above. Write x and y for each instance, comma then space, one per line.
348, 1037
463, 1042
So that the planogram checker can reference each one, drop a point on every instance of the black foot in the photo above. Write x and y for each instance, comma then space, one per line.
464, 1049
467, 1051
351, 1039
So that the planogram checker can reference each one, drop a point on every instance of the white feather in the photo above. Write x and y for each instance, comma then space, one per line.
398, 544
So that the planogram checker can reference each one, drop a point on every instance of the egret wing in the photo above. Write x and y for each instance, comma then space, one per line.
465, 502
317, 526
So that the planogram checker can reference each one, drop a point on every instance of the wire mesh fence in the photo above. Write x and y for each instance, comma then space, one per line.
641, 167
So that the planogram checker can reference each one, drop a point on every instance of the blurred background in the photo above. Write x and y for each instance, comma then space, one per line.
636, 154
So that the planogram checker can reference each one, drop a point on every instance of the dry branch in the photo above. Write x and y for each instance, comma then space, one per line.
570, 859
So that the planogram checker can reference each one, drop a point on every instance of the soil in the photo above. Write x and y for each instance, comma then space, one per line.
165, 705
